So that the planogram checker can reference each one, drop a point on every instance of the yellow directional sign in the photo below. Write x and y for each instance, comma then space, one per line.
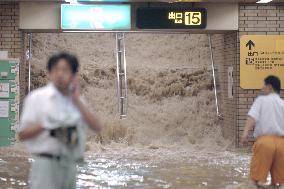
260, 56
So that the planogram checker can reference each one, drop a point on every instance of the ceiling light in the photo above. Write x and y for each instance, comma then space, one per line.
264, 1
71, 1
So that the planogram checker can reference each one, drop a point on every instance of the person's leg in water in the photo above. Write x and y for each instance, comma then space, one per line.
70, 172
277, 170
53, 174
263, 156
45, 174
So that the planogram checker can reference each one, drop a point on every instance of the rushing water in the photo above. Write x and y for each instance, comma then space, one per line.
199, 170
203, 172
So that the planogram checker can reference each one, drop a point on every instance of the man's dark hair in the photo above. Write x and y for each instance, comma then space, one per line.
274, 82
69, 58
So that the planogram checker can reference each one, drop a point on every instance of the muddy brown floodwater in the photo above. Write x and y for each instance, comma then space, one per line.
171, 137
139, 167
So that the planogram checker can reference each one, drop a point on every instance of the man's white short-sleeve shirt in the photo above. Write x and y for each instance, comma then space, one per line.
37, 106
268, 112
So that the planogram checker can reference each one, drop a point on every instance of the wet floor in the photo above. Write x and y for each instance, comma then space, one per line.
204, 170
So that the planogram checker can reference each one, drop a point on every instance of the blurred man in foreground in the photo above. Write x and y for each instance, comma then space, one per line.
266, 116
53, 124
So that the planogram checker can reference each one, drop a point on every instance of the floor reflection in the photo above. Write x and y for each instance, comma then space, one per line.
204, 170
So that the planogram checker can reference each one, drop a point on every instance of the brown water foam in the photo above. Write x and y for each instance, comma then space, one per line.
171, 99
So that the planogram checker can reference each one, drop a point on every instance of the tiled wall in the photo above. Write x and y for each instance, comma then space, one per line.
256, 20
11, 39
224, 55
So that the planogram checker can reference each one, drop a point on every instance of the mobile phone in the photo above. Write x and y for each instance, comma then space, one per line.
71, 87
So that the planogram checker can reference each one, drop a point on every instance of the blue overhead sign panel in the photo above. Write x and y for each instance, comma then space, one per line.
95, 17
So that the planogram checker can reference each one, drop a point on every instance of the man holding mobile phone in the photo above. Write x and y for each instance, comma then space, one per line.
53, 125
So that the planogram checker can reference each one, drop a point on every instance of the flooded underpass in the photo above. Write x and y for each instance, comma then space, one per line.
145, 168
191, 72
196, 171
172, 137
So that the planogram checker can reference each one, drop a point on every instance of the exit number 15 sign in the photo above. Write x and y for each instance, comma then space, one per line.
187, 18
169, 18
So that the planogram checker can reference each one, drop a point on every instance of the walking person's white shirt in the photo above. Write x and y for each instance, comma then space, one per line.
268, 112
38, 106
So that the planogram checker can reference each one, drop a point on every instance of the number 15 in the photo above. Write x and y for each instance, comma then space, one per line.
192, 18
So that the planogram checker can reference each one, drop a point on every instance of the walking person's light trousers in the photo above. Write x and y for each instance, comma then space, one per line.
48, 173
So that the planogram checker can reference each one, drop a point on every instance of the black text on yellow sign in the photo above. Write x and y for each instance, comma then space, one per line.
169, 18
260, 56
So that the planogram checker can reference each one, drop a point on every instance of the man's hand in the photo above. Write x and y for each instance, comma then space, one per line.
30, 132
244, 138
250, 123
89, 117
75, 90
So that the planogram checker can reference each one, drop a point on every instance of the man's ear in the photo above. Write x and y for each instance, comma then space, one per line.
271, 88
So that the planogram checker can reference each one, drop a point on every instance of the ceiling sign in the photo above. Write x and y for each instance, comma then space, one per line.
95, 17
261, 56
171, 18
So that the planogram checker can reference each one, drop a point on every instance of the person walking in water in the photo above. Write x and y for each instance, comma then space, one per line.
53, 124
266, 116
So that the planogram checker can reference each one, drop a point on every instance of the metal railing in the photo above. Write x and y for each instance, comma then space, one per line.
28, 57
121, 75
214, 77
